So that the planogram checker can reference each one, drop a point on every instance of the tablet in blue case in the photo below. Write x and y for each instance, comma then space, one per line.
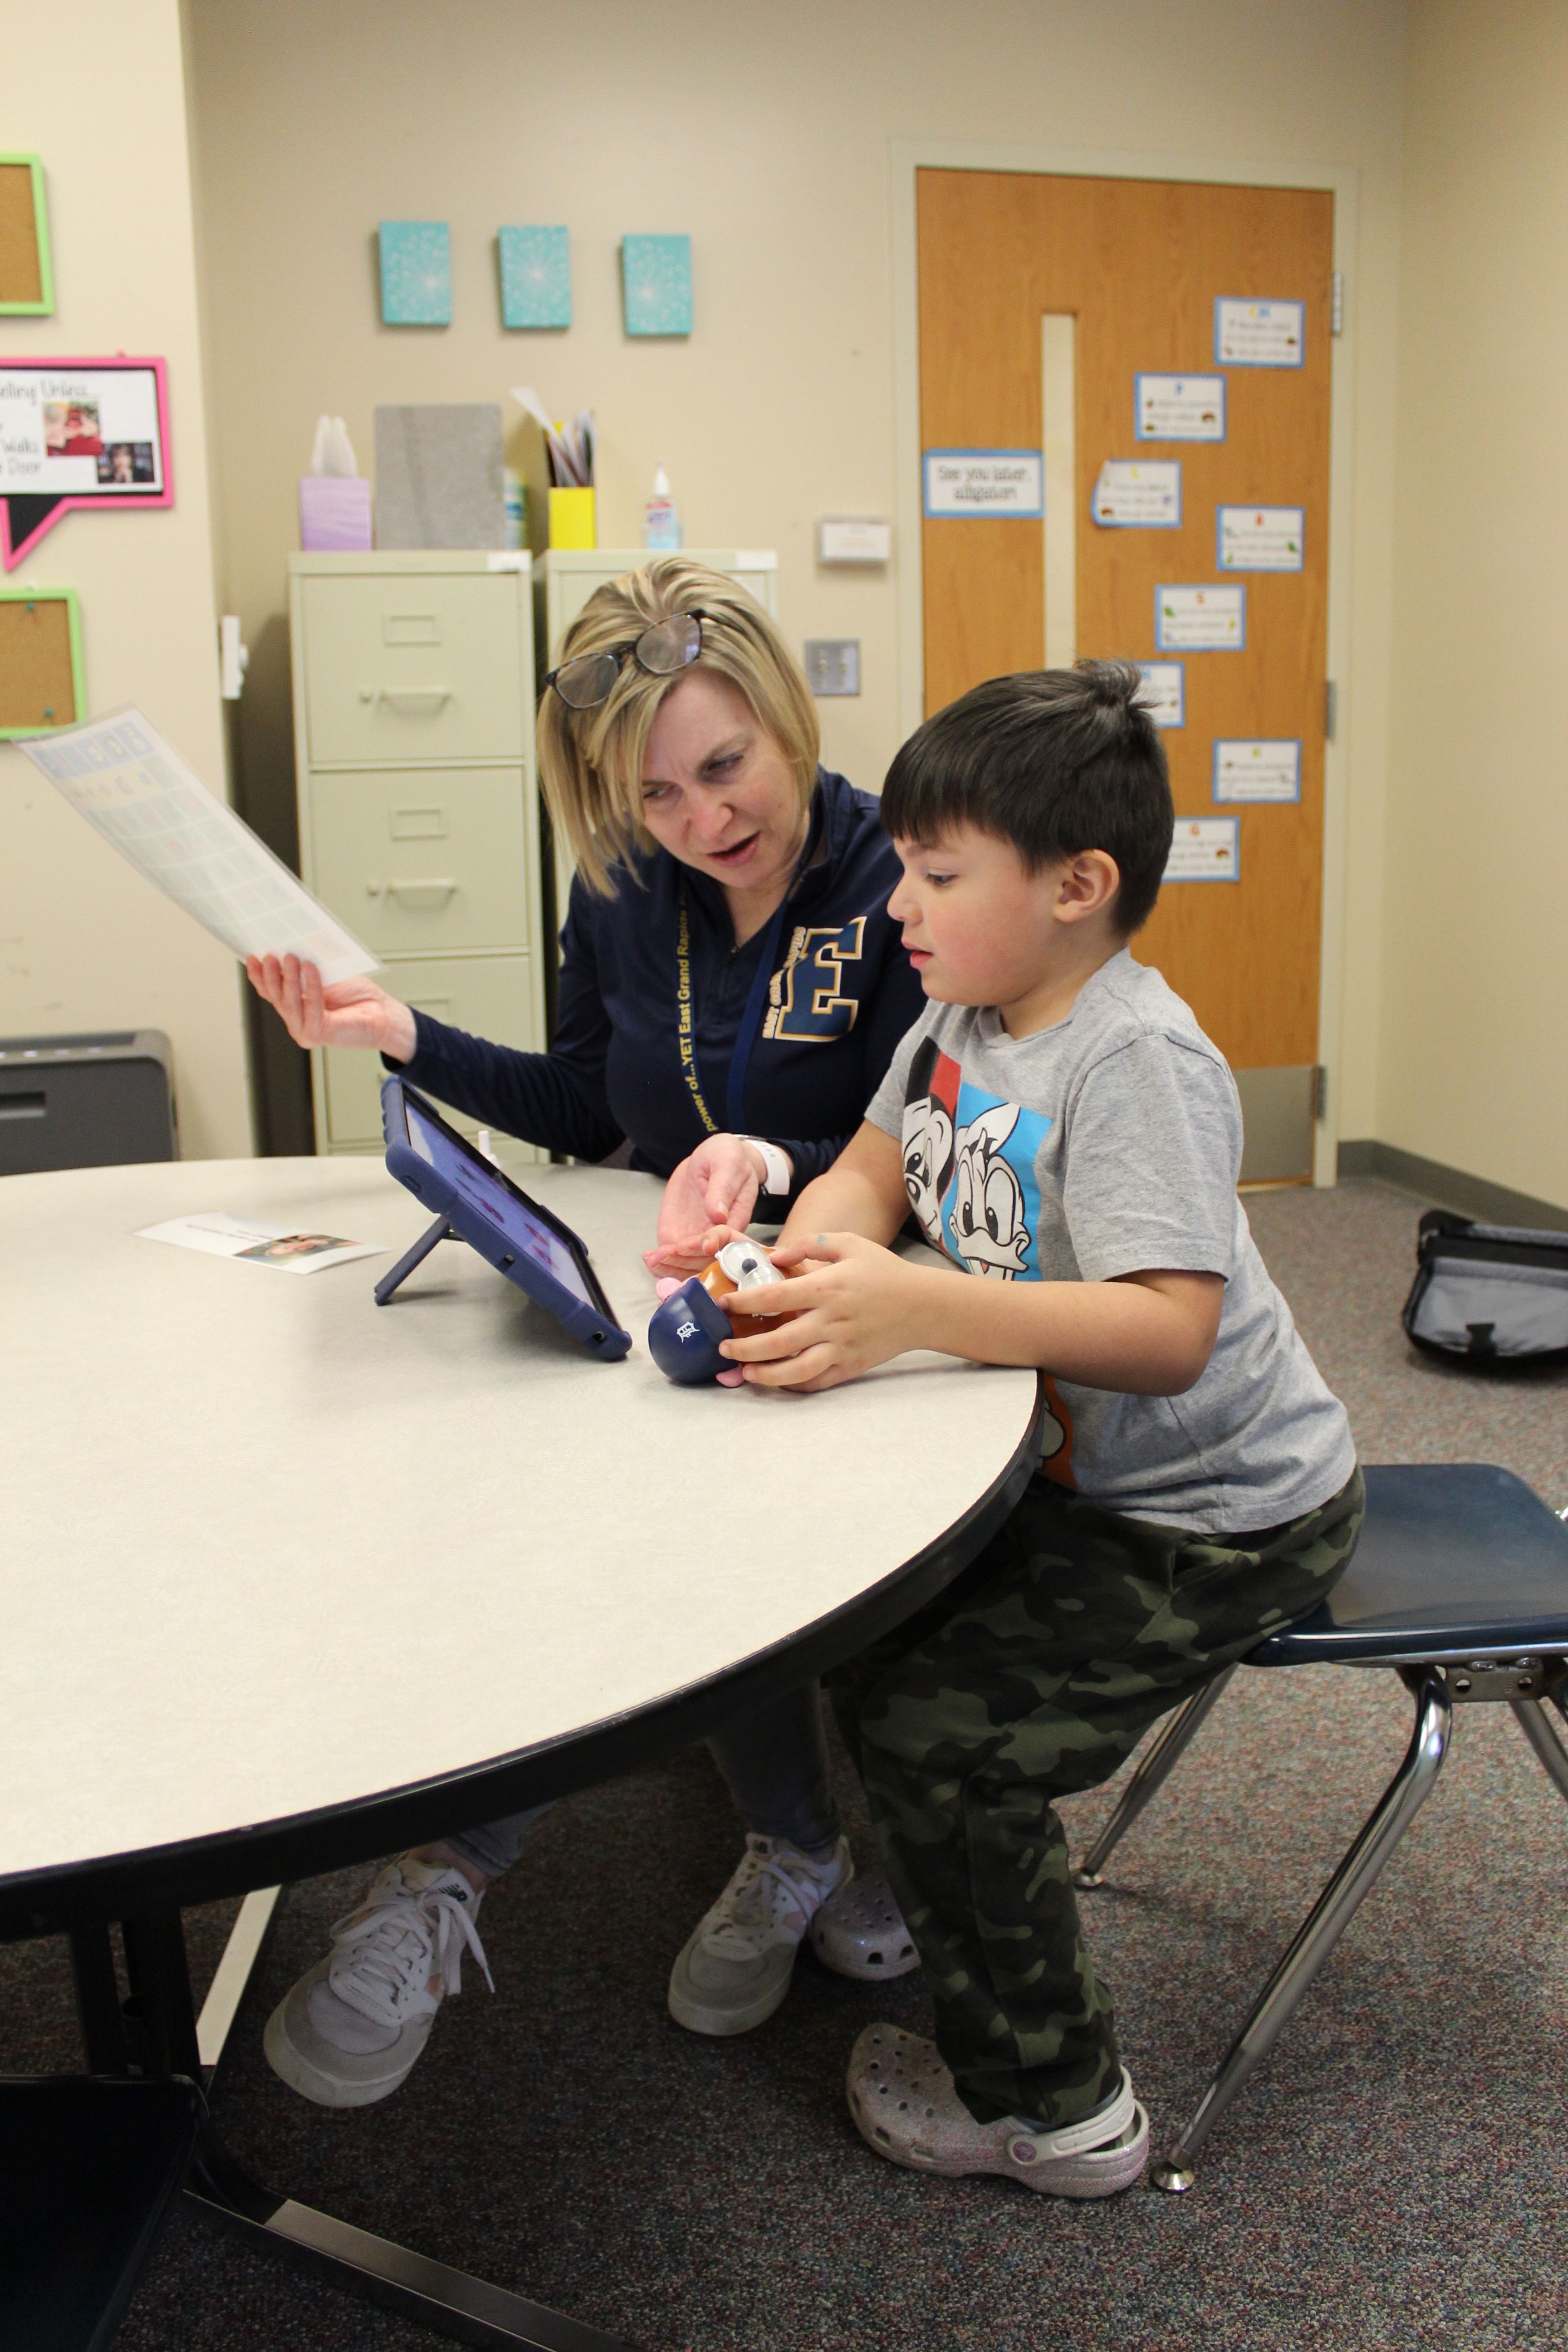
484, 1208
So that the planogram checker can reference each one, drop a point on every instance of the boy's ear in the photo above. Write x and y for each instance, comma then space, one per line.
1086, 885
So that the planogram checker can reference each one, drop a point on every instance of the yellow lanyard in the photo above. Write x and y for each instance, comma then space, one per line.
751, 1019
683, 1019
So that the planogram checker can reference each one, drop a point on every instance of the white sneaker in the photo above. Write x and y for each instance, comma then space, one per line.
349, 2031
736, 1965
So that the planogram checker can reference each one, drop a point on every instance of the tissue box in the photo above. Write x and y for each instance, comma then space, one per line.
334, 513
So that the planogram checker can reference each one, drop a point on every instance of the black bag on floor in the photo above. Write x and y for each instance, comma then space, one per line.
1490, 1294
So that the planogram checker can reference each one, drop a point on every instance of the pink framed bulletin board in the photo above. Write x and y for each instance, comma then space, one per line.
79, 432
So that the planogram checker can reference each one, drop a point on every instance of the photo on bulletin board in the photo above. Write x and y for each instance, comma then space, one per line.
41, 683
79, 432
26, 273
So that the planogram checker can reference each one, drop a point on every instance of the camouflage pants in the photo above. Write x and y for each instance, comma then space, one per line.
1035, 1676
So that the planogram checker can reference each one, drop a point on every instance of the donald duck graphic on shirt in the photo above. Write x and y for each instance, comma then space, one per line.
969, 1171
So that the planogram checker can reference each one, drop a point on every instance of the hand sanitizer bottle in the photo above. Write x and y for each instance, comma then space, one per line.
661, 516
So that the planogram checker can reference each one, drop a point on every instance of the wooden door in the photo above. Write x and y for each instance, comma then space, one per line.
1139, 266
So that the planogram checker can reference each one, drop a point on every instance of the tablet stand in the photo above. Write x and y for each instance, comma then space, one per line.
440, 1231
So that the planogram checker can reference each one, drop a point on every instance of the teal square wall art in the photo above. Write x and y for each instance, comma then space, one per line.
415, 274
656, 280
536, 277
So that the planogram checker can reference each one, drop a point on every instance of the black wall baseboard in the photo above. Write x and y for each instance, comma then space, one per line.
1449, 1188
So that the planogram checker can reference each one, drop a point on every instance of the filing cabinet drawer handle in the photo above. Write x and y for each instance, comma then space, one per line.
421, 894
415, 702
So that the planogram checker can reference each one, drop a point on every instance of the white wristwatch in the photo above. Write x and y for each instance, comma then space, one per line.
778, 1174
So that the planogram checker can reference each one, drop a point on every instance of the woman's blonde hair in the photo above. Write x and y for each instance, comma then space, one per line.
591, 762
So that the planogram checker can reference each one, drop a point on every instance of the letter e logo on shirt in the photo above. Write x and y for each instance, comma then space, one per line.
810, 1004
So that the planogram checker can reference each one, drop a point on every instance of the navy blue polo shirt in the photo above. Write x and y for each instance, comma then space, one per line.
841, 995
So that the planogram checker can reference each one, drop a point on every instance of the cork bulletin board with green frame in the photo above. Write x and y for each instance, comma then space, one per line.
27, 272
41, 678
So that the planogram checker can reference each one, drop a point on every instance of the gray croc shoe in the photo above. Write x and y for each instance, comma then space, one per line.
860, 1932
736, 1965
906, 2106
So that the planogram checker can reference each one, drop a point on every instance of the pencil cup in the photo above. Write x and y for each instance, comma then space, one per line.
572, 519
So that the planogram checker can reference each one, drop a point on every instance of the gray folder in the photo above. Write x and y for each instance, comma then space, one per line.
438, 476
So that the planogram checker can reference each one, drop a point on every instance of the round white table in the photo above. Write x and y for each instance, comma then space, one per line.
291, 1579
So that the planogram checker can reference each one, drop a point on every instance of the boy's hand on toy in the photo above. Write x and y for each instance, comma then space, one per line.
692, 1252
349, 1013
718, 1185
855, 1306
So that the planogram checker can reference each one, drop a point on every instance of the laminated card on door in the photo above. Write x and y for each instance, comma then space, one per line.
1253, 768
1258, 334
1178, 407
1164, 692
1210, 619
1260, 539
1138, 494
1205, 849
985, 482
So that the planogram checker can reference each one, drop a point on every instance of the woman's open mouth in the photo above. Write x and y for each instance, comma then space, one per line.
738, 853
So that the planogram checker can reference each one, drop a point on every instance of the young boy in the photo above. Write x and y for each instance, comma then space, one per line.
1064, 1129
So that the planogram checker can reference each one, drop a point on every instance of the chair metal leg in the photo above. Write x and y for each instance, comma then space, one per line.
1325, 1924
1532, 1718
1175, 1734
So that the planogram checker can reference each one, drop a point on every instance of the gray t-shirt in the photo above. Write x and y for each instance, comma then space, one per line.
1110, 1144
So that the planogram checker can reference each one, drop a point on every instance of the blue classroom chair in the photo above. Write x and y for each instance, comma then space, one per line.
1460, 1585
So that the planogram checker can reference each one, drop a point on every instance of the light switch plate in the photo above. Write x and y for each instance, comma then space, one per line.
833, 665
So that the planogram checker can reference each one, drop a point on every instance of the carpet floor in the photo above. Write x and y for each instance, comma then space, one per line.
1394, 2178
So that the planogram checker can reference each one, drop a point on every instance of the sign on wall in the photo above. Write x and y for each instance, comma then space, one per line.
79, 432
985, 482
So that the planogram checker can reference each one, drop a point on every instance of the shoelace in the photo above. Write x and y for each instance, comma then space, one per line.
387, 1950
758, 1894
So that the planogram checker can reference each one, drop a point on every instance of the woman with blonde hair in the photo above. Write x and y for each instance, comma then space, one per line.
731, 991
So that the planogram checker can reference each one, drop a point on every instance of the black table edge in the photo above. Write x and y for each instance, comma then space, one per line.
233, 1861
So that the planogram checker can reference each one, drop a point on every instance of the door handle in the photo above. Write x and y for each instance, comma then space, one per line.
432, 893
414, 701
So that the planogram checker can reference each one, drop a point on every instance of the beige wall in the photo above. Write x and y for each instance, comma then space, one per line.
767, 137
1474, 1039
84, 944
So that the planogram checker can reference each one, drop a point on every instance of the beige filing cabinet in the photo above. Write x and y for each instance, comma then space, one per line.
565, 577
418, 804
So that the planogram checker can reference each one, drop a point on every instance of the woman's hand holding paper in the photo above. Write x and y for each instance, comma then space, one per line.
349, 1013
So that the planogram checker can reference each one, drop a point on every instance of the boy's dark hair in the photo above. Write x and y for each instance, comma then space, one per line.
1055, 761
